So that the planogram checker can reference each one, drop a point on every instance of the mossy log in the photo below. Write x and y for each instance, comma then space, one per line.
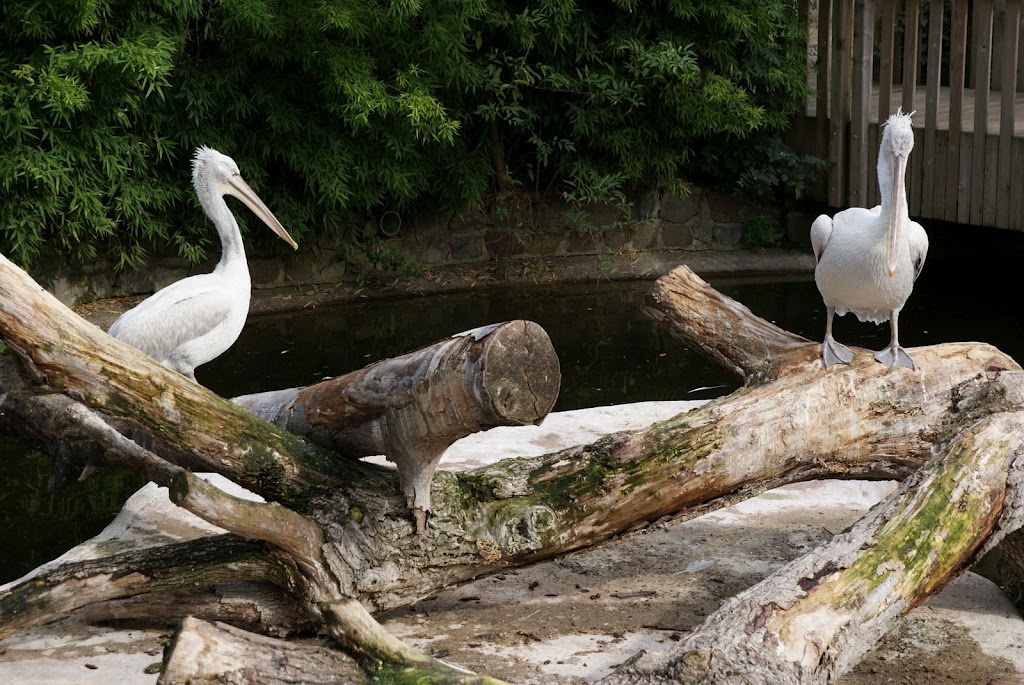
948, 428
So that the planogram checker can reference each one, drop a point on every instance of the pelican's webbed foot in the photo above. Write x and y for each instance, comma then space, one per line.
894, 355
833, 352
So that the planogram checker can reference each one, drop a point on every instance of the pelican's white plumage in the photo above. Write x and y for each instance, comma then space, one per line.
196, 319
868, 259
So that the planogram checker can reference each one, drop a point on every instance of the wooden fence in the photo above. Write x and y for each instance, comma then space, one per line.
959, 65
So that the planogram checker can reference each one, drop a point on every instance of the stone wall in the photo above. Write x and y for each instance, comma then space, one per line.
522, 228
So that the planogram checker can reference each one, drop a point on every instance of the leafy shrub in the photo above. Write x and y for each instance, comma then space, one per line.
766, 171
337, 110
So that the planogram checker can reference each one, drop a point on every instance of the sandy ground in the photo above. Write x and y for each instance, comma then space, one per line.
573, 620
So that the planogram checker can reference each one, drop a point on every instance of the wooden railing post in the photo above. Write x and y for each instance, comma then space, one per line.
982, 74
842, 28
1007, 93
933, 204
824, 113
956, 191
863, 42
910, 43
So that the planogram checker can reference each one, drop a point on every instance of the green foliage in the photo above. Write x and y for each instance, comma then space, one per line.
337, 110
766, 170
603, 98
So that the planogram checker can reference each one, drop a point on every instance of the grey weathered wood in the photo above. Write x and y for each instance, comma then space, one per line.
760, 636
413, 407
940, 184
938, 201
956, 185
839, 110
1017, 197
887, 45
982, 58
860, 169
523, 510
170, 568
910, 45
873, 141
915, 174
822, 97
217, 654
1008, 81
931, 206
963, 199
988, 196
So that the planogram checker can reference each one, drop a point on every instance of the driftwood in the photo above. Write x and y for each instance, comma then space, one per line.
333, 536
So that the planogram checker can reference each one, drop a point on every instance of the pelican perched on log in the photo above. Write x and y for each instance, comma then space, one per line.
868, 259
196, 319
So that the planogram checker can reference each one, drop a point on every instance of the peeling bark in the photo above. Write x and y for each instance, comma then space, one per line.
254, 606
171, 568
718, 327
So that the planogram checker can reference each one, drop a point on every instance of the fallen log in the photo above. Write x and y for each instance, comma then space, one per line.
791, 421
413, 407
812, 620
205, 652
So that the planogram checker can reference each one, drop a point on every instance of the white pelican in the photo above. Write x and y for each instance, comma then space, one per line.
196, 319
868, 259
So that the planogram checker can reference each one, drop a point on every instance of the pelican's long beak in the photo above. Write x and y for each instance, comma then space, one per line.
243, 192
895, 230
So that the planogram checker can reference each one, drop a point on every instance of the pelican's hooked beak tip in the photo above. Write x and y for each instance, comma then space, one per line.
892, 272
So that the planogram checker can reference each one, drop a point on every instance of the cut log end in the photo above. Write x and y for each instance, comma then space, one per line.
521, 373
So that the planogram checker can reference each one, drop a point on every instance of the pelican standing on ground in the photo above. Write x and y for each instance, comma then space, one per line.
196, 319
868, 259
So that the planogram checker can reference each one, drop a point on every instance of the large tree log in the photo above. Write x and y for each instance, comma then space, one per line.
412, 408
812, 620
791, 421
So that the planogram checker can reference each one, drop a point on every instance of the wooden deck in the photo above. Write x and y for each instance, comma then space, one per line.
993, 113
960, 67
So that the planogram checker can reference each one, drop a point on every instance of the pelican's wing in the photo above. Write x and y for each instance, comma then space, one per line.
821, 231
180, 312
917, 239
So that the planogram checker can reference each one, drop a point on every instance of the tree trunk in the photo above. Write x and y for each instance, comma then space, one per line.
949, 428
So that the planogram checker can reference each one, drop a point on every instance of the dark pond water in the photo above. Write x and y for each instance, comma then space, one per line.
608, 352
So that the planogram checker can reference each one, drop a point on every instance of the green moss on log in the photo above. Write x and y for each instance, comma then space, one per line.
929, 538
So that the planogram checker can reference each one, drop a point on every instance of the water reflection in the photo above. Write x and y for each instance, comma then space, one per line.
35, 525
608, 352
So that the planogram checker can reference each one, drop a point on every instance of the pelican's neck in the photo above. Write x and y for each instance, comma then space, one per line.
232, 250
